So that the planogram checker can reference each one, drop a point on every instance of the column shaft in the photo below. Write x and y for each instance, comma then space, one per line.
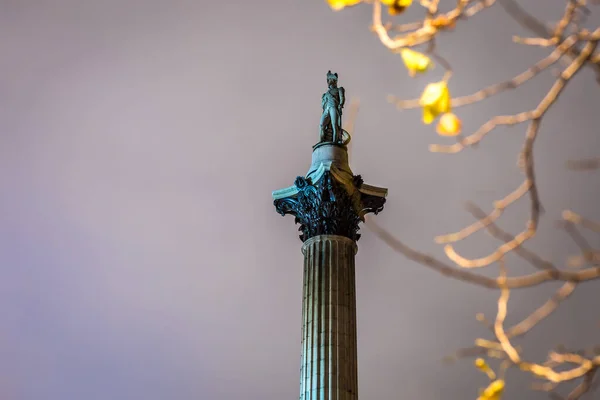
329, 358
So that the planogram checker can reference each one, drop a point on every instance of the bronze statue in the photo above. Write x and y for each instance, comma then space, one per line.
331, 119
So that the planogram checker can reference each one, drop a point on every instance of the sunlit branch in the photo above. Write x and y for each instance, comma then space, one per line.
585, 366
498, 233
543, 311
504, 341
429, 28
566, 20
589, 255
557, 34
584, 386
547, 371
499, 207
577, 219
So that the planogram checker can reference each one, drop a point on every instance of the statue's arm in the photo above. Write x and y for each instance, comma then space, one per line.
342, 92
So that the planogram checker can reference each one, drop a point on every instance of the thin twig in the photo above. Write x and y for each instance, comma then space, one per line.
582, 165
579, 220
498, 233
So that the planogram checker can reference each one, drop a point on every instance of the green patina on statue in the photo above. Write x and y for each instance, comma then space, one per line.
331, 120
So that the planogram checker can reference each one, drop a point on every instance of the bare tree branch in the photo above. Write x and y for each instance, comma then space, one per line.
571, 45
527, 21
498, 233
579, 220
581, 165
430, 27
523, 281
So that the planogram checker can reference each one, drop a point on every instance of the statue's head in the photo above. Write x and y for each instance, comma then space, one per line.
332, 78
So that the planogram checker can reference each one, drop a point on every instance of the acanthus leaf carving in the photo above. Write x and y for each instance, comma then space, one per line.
327, 207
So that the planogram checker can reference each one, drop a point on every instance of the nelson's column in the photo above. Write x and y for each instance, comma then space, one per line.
329, 203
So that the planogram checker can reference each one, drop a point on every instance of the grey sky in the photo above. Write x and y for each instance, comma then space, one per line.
140, 252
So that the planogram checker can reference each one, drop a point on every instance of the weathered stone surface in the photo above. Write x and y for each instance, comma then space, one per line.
328, 369
329, 200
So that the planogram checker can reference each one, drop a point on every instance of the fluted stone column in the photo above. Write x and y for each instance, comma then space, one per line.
329, 202
328, 368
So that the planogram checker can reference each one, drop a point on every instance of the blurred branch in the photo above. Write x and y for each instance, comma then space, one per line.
556, 35
543, 311
589, 255
529, 280
499, 207
577, 219
527, 21
483, 346
581, 165
498, 233
584, 387
431, 25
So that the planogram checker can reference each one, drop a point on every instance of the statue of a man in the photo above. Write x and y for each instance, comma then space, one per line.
332, 103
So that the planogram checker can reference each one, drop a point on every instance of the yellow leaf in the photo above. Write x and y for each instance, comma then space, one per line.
451, 125
428, 115
402, 3
337, 5
480, 362
443, 103
435, 100
415, 61
493, 391
396, 7
433, 93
